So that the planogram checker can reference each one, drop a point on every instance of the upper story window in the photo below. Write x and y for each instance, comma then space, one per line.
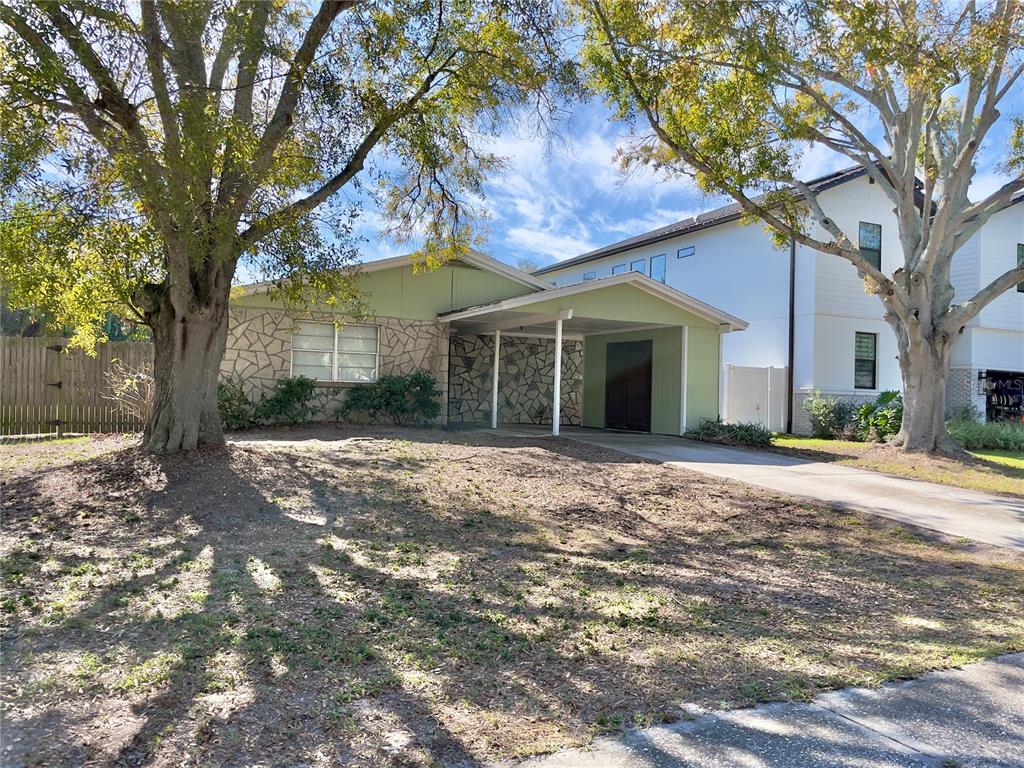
325, 352
1020, 263
658, 268
618, 269
865, 360
639, 265
870, 243
682, 253
590, 275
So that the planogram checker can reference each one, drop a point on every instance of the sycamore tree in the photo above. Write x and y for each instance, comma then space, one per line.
147, 147
914, 92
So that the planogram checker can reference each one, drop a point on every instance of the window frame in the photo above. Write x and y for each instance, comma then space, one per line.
690, 250
588, 276
874, 360
1020, 263
664, 267
334, 353
643, 265
619, 269
876, 253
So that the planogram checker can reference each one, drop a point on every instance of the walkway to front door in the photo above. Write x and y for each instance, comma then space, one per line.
980, 516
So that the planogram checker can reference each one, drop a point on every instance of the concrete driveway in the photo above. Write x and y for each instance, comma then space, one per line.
966, 718
980, 516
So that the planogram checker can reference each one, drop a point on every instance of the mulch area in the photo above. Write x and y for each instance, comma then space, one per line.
401, 597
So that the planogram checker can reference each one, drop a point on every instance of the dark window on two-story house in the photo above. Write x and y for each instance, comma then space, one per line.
618, 269
870, 237
638, 265
865, 360
1020, 263
683, 253
590, 276
658, 268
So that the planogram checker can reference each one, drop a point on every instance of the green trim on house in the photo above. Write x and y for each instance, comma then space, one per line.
623, 303
401, 292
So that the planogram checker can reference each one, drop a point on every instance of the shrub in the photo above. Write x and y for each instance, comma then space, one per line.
880, 419
969, 412
290, 402
406, 399
829, 415
973, 436
131, 389
717, 431
236, 409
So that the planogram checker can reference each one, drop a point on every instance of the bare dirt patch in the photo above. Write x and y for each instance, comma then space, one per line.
385, 597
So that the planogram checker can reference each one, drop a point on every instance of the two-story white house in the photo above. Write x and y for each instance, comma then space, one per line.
812, 325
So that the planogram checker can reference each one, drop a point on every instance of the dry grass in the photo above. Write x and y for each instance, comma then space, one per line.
419, 598
989, 471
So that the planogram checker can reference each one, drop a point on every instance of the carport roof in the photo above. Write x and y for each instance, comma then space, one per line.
526, 312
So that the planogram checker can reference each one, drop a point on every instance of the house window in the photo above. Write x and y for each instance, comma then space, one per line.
865, 349
658, 268
1020, 263
618, 269
682, 253
590, 275
638, 266
325, 352
870, 236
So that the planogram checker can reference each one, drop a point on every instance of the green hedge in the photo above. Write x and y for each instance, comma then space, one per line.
1002, 435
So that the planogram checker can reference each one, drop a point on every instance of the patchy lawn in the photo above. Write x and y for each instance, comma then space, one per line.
991, 471
24, 458
421, 598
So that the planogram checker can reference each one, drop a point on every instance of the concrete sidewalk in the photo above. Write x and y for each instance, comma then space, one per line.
968, 718
971, 514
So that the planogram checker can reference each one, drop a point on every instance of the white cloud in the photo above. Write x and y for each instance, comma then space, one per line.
558, 247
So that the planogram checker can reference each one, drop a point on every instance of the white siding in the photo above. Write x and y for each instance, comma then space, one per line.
999, 238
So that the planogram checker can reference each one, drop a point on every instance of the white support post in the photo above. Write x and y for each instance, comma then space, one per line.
556, 408
768, 402
684, 376
494, 380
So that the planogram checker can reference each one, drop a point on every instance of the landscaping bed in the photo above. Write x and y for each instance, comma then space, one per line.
388, 597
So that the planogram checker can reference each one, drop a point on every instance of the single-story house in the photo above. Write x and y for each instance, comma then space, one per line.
635, 353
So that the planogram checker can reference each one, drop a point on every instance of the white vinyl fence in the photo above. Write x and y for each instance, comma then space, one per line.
755, 395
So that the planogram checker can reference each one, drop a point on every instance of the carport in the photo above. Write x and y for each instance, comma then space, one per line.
650, 353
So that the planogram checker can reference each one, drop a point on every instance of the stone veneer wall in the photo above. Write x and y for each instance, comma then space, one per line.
259, 350
525, 376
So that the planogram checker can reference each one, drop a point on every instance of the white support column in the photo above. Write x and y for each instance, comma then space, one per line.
768, 402
683, 377
494, 380
556, 408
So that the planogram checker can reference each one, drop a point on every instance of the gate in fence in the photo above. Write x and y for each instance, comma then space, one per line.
46, 388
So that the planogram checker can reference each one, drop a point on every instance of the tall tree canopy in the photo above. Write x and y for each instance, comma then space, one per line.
734, 93
146, 147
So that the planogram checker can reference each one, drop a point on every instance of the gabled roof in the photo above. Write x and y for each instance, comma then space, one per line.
726, 213
637, 279
472, 258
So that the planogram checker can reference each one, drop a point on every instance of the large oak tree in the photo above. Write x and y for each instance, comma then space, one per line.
148, 147
734, 93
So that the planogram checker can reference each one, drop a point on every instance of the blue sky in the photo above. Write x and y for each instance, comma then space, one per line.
563, 195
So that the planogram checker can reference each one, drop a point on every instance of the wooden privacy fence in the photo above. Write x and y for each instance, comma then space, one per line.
46, 388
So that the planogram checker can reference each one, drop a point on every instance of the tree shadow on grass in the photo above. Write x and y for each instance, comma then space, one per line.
398, 603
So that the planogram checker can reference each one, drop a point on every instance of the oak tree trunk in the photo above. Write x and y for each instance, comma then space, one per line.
188, 346
924, 363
